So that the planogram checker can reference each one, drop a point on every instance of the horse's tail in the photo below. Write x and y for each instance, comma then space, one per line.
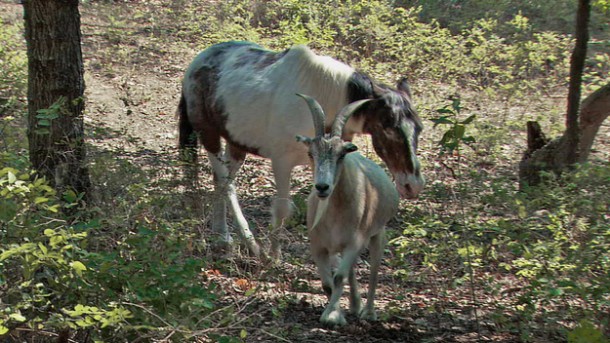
187, 138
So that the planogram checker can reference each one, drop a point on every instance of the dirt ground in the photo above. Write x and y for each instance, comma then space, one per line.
133, 92
132, 80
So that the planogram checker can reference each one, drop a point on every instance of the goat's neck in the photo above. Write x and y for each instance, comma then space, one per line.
342, 192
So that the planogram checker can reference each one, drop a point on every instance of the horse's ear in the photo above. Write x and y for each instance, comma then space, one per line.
349, 147
403, 86
378, 91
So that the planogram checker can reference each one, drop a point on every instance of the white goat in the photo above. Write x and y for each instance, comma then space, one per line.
352, 200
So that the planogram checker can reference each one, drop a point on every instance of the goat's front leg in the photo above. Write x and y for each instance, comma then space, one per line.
376, 252
282, 205
355, 301
324, 263
333, 315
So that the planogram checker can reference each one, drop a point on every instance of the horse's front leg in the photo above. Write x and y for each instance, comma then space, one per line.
282, 205
225, 167
236, 158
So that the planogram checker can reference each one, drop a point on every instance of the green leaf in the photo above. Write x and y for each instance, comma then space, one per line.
56, 240
555, 292
70, 196
79, 267
40, 200
469, 119
43, 248
49, 232
243, 333
459, 131
44, 122
469, 139
444, 111
441, 120
54, 208
447, 137
17, 317
11, 178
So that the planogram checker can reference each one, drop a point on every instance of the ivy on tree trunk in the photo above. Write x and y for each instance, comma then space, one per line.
55, 92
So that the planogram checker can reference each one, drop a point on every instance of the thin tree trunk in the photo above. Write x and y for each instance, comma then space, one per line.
594, 110
55, 67
561, 153
577, 63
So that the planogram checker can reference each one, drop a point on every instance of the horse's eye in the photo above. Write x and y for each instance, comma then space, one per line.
309, 154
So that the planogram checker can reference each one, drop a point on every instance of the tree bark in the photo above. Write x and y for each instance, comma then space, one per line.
594, 110
577, 64
562, 153
55, 72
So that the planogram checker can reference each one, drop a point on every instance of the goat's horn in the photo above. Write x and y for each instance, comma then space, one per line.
344, 115
317, 113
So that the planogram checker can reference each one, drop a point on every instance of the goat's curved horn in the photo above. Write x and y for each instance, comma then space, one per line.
343, 116
317, 113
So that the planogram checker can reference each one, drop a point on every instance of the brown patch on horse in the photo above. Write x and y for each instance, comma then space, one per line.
390, 143
258, 58
207, 116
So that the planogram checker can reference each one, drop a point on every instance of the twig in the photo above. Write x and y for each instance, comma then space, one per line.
48, 333
275, 336
151, 313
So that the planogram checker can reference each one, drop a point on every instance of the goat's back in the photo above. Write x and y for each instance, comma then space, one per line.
363, 201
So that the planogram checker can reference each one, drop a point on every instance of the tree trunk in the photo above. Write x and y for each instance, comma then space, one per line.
594, 110
562, 153
571, 136
55, 76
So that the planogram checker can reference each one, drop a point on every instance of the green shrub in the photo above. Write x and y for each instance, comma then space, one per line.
13, 63
59, 272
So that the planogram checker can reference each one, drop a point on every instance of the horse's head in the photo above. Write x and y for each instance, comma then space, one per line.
394, 126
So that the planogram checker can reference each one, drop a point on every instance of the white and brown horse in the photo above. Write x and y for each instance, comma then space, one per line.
246, 95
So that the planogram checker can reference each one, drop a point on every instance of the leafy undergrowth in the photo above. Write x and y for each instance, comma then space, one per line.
474, 259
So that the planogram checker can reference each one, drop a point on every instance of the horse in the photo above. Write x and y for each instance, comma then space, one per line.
245, 95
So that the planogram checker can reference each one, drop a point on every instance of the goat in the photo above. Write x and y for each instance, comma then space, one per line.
243, 94
348, 208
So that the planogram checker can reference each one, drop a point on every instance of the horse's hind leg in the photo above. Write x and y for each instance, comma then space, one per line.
282, 206
376, 246
219, 210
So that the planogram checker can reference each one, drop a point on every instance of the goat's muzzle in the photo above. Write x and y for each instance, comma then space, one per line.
323, 190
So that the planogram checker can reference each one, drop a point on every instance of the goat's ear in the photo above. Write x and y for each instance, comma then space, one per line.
349, 147
303, 139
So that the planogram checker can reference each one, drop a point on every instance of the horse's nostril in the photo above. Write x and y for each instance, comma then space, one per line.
408, 188
322, 187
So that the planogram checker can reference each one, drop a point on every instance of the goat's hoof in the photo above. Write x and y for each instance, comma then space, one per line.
333, 318
368, 315
356, 307
221, 249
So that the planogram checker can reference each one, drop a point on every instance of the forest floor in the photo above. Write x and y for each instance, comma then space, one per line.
133, 75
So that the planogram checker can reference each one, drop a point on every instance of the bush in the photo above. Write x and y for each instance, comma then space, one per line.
51, 279
554, 238
13, 64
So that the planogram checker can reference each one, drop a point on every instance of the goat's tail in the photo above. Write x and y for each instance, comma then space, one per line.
187, 141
